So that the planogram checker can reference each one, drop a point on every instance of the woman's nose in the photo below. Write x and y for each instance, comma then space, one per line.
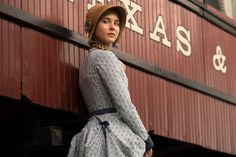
112, 26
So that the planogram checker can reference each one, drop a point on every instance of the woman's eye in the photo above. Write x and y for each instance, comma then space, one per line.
117, 23
105, 21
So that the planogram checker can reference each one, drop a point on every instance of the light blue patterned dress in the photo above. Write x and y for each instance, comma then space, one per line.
104, 85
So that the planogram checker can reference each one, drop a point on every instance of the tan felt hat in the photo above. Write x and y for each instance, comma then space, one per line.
95, 13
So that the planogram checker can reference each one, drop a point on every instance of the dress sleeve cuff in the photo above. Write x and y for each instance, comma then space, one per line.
149, 143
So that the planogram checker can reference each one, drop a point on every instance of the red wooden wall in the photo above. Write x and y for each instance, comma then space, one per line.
45, 69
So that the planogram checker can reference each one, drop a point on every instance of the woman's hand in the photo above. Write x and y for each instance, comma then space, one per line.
149, 153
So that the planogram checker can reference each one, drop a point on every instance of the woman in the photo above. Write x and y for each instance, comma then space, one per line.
114, 128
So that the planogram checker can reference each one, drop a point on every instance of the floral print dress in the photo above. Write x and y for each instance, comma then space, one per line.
119, 131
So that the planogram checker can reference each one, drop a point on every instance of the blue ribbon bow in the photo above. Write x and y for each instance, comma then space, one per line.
104, 126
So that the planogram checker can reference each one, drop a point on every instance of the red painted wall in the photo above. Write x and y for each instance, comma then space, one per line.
45, 69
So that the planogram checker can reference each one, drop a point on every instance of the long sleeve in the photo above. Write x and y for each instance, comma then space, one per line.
112, 76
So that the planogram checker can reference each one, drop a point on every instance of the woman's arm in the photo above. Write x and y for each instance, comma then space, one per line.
110, 72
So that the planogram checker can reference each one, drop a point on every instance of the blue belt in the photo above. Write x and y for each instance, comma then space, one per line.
103, 111
104, 124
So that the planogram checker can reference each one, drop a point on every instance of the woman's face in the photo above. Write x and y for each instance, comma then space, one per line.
108, 29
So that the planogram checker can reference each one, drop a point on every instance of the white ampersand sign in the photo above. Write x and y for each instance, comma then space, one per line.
219, 60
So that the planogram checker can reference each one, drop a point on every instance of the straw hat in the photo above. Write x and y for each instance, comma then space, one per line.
95, 13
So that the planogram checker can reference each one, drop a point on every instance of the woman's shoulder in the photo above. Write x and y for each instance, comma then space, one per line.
99, 53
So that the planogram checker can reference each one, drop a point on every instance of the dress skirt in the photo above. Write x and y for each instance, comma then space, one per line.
106, 135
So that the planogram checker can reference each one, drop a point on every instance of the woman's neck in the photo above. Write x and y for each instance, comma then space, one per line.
94, 44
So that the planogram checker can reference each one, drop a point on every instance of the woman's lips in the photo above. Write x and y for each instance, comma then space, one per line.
111, 35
